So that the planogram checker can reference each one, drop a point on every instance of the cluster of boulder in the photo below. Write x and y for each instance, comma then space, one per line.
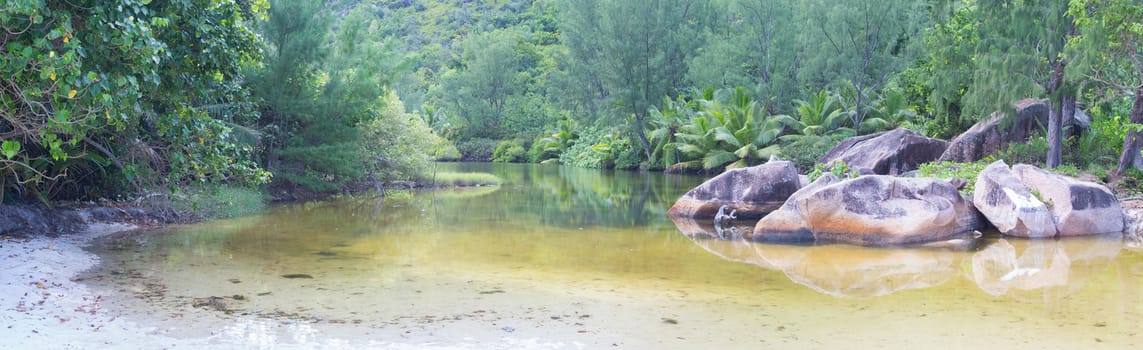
885, 210
887, 206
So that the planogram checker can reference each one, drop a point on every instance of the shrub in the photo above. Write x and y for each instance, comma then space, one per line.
840, 169
539, 151
805, 152
1035, 152
400, 145
479, 149
949, 170
585, 153
509, 152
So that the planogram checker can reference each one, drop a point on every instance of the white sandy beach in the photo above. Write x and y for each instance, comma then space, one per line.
44, 306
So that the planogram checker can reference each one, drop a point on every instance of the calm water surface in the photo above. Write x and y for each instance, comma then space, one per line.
581, 259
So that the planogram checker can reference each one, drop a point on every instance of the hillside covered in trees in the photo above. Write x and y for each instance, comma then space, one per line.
107, 98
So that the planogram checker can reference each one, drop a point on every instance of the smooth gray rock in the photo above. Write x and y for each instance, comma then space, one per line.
873, 210
1009, 205
751, 192
1079, 208
890, 152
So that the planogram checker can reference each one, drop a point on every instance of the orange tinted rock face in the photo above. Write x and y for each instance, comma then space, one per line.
871, 210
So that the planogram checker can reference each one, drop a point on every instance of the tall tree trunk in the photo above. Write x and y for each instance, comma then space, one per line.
1055, 145
643, 137
1069, 116
1055, 115
1130, 154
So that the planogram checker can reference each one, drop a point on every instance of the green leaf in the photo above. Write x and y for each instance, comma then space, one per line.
10, 148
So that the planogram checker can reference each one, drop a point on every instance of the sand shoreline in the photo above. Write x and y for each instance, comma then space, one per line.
44, 304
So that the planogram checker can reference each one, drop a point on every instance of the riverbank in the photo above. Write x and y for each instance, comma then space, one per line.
43, 305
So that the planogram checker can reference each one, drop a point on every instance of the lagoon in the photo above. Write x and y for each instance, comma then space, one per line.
569, 258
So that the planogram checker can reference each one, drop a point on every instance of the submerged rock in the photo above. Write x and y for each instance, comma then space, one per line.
751, 192
871, 210
1009, 205
891, 152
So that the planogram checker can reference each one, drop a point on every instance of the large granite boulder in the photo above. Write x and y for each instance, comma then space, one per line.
1079, 207
873, 210
995, 133
891, 152
752, 192
1009, 205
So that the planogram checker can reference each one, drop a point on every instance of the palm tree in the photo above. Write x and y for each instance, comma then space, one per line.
729, 132
889, 111
665, 123
563, 137
820, 118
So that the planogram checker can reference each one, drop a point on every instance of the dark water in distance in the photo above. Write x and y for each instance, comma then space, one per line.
562, 257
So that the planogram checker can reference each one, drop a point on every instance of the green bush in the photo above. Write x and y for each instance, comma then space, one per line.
479, 150
1097, 150
509, 152
839, 169
1034, 152
400, 145
630, 158
949, 170
805, 152
583, 153
539, 151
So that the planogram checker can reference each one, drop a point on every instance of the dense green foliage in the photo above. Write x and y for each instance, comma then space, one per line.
97, 95
102, 98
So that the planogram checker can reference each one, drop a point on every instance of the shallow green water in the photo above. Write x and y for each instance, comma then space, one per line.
574, 258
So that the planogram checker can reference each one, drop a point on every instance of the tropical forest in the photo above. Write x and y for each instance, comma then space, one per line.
571, 174
123, 98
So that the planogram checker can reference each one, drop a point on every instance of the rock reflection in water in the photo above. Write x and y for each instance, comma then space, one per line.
837, 270
1045, 268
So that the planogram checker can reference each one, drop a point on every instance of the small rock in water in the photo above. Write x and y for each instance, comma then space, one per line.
214, 303
297, 275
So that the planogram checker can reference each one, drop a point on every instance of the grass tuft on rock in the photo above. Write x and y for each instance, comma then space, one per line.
950, 170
